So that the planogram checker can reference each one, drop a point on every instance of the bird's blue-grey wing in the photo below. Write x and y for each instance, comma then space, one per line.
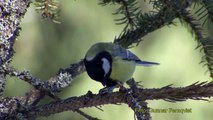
128, 55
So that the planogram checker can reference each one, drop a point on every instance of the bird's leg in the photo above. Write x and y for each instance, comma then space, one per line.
109, 90
132, 84
121, 87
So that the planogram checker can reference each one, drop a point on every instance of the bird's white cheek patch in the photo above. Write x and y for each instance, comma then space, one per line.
105, 66
89, 58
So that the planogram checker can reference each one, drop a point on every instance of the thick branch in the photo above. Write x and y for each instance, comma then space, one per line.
194, 91
11, 12
2, 83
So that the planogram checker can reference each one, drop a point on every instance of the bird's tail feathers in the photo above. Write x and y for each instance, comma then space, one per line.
146, 63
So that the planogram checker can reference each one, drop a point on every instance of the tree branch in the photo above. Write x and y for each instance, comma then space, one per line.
196, 91
55, 84
10, 17
11, 13
148, 23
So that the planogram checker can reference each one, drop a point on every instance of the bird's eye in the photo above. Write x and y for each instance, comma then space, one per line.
105, 65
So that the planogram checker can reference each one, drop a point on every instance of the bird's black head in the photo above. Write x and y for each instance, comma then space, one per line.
99, 68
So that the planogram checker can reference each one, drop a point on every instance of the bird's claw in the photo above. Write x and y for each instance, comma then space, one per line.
106, 90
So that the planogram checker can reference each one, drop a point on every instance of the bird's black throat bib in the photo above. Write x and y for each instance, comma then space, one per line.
96, 71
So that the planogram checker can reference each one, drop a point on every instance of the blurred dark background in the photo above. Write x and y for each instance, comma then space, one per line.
43, 47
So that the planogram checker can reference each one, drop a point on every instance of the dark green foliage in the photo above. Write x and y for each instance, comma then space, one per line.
128, 9
148, 22
208, 4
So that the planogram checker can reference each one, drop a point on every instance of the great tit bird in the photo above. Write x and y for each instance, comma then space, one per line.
110, 63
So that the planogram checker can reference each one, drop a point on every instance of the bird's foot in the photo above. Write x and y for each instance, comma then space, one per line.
106, 90
134, 85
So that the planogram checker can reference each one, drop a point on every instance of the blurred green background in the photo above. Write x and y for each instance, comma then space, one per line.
43, 47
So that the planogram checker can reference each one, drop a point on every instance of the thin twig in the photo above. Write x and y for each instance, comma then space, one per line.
86, 115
